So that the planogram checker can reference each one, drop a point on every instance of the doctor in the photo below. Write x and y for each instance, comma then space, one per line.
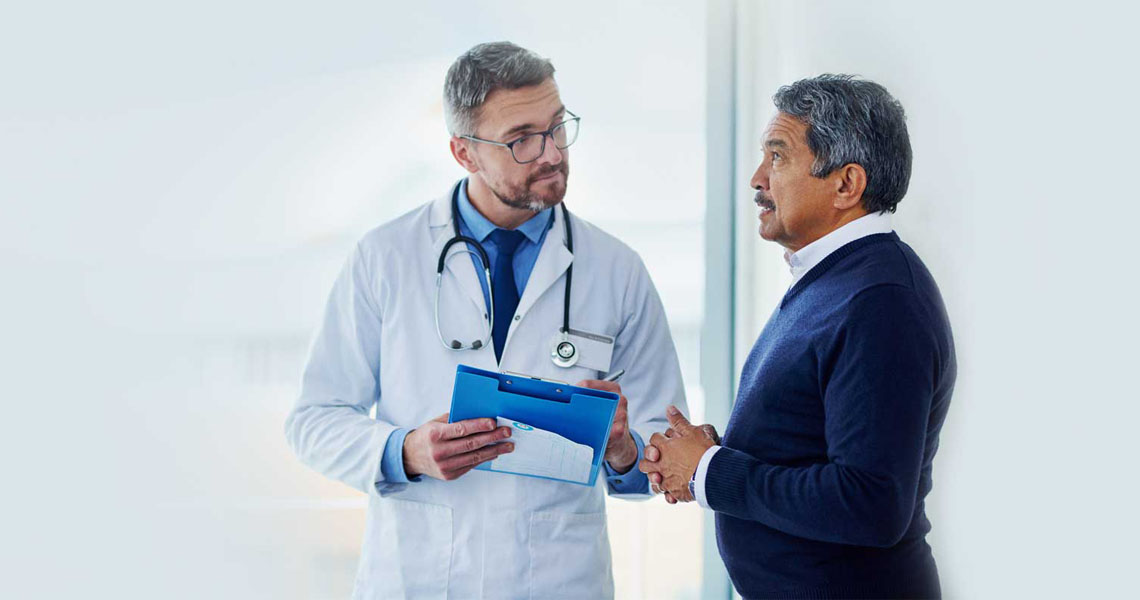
529, 287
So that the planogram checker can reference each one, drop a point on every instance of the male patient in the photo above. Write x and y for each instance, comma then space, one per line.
818, 486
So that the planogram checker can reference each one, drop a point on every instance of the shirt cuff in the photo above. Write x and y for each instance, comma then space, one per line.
699, 476
392, 463
632, 481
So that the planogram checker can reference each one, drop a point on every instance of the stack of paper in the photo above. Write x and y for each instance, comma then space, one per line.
544, 454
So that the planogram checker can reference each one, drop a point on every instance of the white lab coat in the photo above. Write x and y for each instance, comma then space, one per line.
484, 535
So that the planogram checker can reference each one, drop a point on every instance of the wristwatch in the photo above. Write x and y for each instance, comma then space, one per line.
693, 486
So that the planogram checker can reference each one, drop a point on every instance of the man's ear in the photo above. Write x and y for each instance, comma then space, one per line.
463, 154
851, 182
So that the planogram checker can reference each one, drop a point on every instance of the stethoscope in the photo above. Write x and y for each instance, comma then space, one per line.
563, 353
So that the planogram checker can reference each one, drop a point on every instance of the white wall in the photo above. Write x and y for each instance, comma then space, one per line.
1023, 203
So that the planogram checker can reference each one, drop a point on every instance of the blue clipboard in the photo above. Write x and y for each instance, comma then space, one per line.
581, 415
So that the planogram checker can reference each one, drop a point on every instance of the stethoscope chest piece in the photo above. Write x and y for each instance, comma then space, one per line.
564, 354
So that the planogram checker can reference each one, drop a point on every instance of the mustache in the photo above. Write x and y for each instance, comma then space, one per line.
763, 199
559, 168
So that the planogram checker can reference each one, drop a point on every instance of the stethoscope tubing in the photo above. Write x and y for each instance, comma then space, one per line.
481, 253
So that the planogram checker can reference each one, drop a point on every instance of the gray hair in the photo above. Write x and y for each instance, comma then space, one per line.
481, 70
853, 121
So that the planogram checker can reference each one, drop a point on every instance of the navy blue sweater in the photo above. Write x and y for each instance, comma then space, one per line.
819, 487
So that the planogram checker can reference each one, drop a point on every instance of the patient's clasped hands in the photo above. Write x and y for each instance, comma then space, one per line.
672, 458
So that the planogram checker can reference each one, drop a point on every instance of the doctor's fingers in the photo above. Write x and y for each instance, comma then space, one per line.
457, 465
444, 450
652, 454
621, 419
458, 429
623, 405
598, 384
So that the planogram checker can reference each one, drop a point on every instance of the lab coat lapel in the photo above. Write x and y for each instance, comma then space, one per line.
553, 260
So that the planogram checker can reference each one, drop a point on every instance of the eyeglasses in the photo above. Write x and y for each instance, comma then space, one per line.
530, 147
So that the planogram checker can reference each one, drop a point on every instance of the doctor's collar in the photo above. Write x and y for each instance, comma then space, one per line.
480, 227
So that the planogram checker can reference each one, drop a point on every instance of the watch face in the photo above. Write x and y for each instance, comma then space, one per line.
693, 488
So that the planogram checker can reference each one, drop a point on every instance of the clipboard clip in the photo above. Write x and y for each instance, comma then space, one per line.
525, 376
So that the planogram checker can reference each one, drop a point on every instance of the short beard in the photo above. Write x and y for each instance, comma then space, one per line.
528, 200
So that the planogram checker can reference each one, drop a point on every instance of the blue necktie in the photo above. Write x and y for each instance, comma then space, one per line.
503, 285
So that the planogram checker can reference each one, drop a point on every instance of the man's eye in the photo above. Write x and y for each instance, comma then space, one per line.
775, 155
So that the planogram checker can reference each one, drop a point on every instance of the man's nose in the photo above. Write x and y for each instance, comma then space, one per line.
759, 178
551, 155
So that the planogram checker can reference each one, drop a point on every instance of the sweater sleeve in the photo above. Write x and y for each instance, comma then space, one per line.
877, 379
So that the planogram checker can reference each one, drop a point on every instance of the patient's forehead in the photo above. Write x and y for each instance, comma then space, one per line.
785, 131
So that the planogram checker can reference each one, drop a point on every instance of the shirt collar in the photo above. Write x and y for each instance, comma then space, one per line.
480, 227
802, 261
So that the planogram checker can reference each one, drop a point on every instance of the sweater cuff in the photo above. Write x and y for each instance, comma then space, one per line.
726, 478
700, 474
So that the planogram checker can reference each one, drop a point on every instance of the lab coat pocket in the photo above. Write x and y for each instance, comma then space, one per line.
410, 556
570, 556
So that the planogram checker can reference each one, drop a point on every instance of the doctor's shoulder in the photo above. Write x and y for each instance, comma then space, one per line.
613, 261
608, 251
381, 254
394, 235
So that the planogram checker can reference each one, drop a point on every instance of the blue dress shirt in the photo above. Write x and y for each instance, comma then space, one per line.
474, 225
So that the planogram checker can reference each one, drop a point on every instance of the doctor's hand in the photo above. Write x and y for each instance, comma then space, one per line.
621, 450
449, 450
672, 458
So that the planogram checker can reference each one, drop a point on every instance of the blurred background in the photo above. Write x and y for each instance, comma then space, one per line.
179, 185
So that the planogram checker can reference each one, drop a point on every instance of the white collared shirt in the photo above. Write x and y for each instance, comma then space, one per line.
800, 263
